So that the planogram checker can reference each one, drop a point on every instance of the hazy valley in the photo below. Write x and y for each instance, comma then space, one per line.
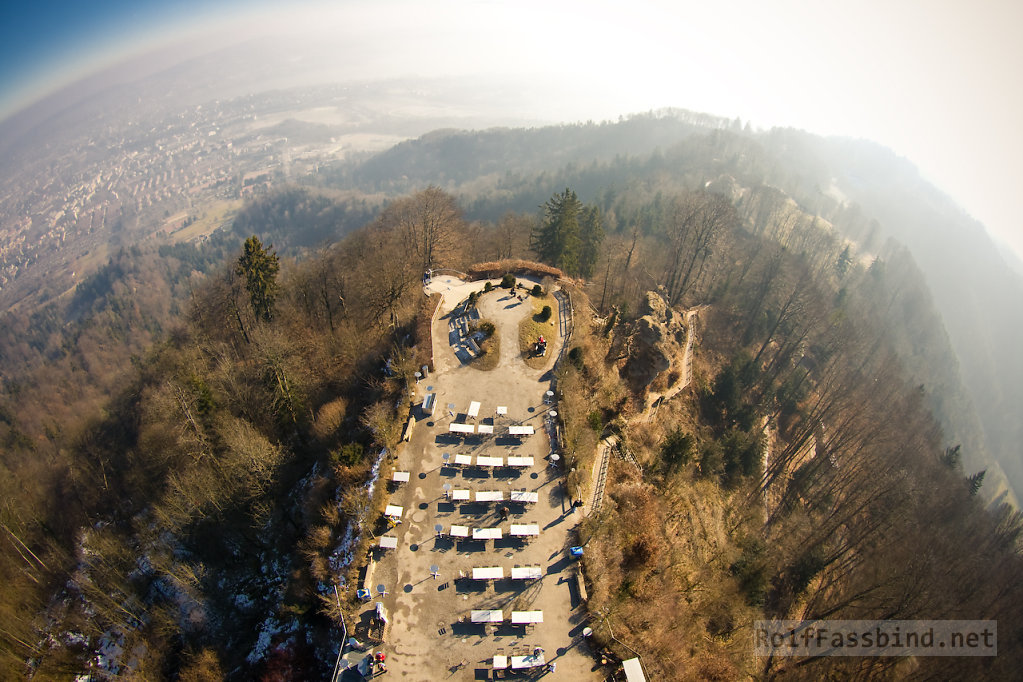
853, 369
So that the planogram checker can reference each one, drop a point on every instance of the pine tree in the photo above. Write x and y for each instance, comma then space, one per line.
259, 267
976, 481
556, 240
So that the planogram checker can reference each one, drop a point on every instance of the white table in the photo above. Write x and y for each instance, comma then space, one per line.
489, 573
482, 461
400, 476
485, 428
486, 533
487, 616
463, 460
524, 496
526, 573
461, 428
388, 542
489, 495
394, 511
526, 617
514, 461
500, 662
530, 661
520, 430
525, 529
502, 410
474, 409
459, 531
460, 495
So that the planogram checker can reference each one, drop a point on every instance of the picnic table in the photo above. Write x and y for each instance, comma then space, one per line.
483, 461
525, 529
458, 531
526, 573
524, 496
487, 616
463, 460
489, 573
461, 428
485, 428
394, 511
474, 409
530, 661
514, 461
500, 662
388, 542
400, 476
520, 430
460, 495
526, 617
489, 495
502, 410
486, 533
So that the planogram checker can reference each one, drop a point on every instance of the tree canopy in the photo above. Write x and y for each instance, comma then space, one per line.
259, 266
569, 235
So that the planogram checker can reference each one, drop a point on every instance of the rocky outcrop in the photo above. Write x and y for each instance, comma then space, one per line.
656, 347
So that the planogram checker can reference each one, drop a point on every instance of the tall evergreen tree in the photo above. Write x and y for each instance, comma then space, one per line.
556, 240
259, 267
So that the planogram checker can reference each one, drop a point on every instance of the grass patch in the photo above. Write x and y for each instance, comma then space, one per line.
531, 328
490, 347
212, 217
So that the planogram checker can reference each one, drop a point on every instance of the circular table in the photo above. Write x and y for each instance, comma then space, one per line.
587, 632
446, 456
381, 589
446, 486
438, 527
553, 413
418, 376
555, 458
429, 388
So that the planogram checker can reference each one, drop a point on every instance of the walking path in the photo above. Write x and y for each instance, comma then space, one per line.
429, 604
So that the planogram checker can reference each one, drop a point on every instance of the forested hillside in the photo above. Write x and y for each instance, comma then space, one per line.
782, 181
210, 416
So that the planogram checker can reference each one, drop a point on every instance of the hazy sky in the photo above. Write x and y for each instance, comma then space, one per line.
937, 81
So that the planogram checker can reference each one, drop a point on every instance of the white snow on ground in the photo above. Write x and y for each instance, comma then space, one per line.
342, 555
109, 652
271, 628
244, 602
375, 473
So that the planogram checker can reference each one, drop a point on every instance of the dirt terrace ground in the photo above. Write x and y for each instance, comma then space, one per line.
429, 636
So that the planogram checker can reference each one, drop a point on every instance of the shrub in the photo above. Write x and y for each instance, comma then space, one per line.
508, 281
487, 327
520, 267
537, 290
596, 420
575, 356
348, 455
489, 286
545, 314
677, 449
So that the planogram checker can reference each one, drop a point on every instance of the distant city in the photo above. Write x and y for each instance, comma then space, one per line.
124, 177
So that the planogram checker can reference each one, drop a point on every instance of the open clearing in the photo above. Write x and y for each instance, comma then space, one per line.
428, 602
